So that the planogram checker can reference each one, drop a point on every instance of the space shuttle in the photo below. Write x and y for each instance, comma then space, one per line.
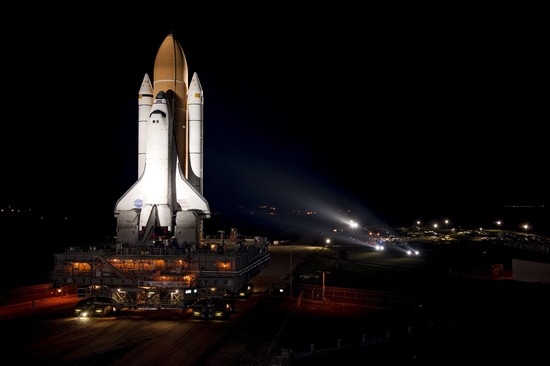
167, 199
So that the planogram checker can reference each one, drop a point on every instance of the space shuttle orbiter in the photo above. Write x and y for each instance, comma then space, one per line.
167, 199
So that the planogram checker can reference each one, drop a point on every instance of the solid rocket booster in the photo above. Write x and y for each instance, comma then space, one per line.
170, 154
195, 103
145, 101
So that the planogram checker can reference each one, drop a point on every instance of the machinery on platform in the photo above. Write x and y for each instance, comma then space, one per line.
160, 276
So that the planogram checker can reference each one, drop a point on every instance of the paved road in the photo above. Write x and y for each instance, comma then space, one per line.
264, 328
283, 259
46, 333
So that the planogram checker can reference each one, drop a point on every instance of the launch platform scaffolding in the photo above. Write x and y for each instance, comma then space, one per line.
161, 274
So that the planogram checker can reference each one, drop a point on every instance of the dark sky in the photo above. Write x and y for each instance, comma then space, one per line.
392, 111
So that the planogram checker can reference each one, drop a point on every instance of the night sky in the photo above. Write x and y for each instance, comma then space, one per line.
397, 112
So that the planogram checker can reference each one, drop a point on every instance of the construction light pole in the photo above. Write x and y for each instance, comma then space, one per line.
290, 274
323, 284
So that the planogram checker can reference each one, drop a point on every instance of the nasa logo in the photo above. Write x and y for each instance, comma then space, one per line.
138, 203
